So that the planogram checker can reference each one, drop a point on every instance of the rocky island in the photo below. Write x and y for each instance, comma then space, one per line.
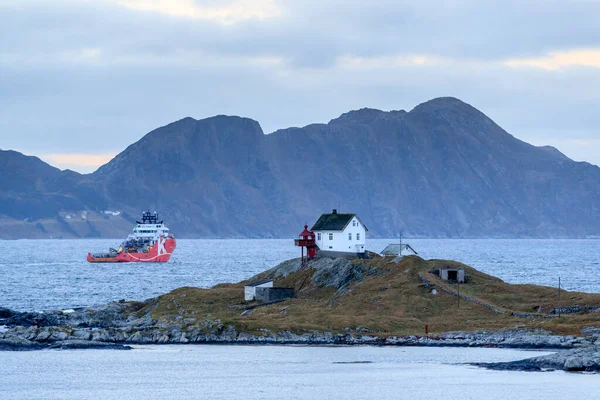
379, 301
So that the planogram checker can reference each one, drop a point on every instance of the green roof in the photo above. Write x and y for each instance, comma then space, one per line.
332, 222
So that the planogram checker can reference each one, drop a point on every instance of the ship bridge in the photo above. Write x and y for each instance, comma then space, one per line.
149, 227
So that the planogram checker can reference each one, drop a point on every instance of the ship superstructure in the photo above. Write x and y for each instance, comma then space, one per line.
150, 241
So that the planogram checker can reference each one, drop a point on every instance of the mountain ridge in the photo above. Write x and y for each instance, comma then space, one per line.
443, 169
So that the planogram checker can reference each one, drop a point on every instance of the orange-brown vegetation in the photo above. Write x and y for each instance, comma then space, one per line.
391, 299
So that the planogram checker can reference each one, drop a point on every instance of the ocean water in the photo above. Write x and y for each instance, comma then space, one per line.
278, 372
51, 274
54, 274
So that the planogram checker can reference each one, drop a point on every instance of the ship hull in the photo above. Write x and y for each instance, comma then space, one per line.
160, 252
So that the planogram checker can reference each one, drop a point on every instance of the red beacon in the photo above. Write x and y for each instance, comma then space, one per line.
307, 239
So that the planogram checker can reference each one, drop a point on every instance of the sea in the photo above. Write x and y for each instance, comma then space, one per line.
39, 275
281, 372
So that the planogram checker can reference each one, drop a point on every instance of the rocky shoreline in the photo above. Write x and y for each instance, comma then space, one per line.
110, 327
34, 338
585, 359
212, 316
113, 324
576, 353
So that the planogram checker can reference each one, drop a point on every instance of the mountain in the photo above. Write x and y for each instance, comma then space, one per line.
444, 169
32, 189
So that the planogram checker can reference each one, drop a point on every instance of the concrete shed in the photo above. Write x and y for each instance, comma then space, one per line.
250, 289
452, 274
270, 294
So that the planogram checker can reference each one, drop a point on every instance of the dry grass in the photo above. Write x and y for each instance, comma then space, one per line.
392, 301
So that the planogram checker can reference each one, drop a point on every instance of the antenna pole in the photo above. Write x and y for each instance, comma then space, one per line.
458, 296
400, 250
559, 297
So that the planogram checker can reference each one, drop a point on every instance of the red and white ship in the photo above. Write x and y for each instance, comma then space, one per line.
150, 241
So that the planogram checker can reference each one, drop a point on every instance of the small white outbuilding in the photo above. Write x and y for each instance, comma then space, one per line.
250, 289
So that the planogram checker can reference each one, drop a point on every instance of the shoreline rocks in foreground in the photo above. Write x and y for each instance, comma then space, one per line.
20, 344
576, 354
115, 325
585, 359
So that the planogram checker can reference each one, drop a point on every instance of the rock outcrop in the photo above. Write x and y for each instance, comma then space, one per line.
586, 359
209, 331
338, 273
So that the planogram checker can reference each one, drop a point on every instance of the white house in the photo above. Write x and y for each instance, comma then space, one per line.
250, 289
340, 235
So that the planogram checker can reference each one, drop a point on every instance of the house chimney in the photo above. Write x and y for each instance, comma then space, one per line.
334, 211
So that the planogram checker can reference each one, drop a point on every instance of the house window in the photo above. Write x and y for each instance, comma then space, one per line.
349, 236
319, 236
358, 236
331, 236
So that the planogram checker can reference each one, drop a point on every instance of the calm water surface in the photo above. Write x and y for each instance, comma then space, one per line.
50, 274
276, 372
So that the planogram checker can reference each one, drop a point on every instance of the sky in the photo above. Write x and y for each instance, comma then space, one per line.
80, 80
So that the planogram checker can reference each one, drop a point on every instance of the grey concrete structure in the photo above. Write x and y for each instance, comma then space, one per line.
269, 294
452, 274
250, 289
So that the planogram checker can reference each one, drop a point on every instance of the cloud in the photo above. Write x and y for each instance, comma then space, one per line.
352, 62
95, 75
227, 13
559, 60
80, 162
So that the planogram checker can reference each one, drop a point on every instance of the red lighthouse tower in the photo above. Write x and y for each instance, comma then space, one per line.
307, 239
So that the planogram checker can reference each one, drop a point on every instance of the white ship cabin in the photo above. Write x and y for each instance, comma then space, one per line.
340, 235
150, 227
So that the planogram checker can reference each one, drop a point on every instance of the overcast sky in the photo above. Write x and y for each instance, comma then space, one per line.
82, 79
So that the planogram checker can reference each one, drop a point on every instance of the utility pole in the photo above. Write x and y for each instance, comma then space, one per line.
400, 250
559, 297
458, 296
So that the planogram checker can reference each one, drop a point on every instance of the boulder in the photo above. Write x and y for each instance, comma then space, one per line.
138, 337
58, 336
99, 335
5, 313
81, 334
43, 334
163, 339
573, 364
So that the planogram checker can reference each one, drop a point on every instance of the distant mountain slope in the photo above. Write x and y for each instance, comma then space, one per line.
30, 188
443, 169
